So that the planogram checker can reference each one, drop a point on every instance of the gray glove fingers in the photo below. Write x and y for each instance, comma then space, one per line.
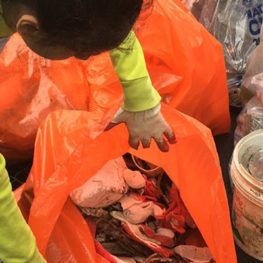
146, 143
134, 142
162, 144
169, 134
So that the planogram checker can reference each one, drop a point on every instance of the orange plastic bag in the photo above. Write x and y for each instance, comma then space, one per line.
71, 147
185, 62
31, 87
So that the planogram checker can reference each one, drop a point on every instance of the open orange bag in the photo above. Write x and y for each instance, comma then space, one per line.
71, 147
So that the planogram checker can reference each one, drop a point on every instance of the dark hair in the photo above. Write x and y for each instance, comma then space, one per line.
85, 25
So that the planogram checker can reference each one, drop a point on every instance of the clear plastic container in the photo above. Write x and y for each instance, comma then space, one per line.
247, 210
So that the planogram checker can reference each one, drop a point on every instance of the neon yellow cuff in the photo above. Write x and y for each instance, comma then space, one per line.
139, 95
17, 243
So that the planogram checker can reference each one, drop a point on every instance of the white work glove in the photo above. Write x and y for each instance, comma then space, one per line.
145, 125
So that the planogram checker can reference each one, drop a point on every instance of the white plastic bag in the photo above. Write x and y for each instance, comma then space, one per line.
236, 24
253, 78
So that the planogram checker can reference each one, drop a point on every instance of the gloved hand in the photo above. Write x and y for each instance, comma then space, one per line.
139, 111
145, 125
17, 243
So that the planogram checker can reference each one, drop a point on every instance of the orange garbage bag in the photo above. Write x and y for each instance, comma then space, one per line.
31, 87
185, 62
71, 147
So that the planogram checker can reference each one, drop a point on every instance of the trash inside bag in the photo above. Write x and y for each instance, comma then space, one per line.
102, 190
237, 25
139, 220
194, 254
71, 148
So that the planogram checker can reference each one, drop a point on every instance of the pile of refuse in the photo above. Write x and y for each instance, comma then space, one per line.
137, 215
236, 24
